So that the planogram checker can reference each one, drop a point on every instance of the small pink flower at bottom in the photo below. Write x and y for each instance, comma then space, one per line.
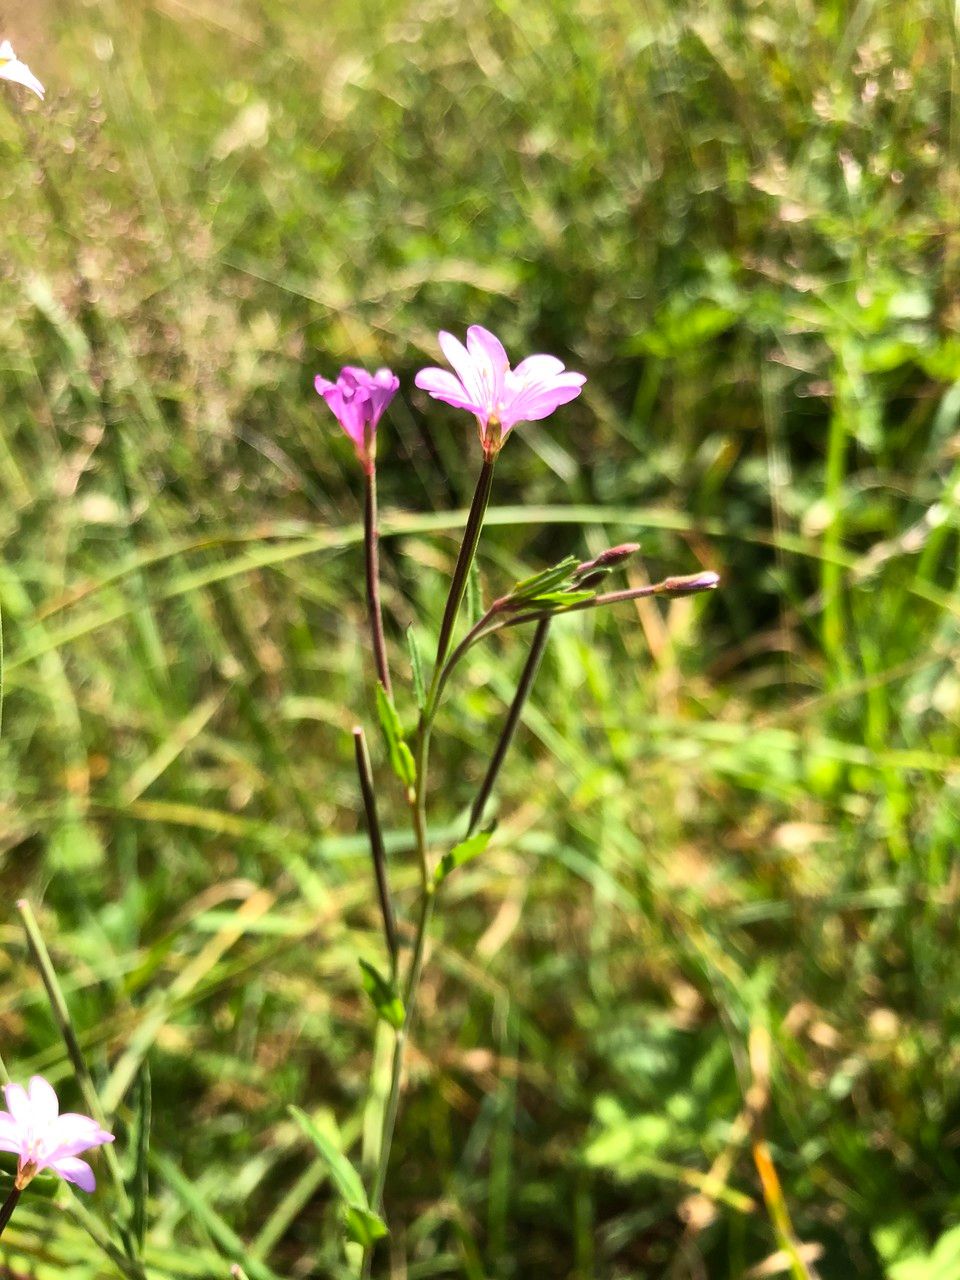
34, 1130
11, 68
357, 400
498, 396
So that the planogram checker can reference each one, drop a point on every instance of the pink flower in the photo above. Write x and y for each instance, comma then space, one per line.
358, 400
43, 1139
11, 68
497, 395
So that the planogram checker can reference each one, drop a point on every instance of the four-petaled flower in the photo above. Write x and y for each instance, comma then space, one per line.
34, 1130
497, 395
358, 400
11, 68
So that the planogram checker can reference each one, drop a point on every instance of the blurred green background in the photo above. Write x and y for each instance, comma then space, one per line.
721, 905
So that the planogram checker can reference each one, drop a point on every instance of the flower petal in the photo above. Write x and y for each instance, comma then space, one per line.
11, 1133
43, 1102
490, 361
486, 347
18, 1103
442, 385
73, 1170
380, 394
536, 369
347, 408
72, 1133
465, 369
540, 400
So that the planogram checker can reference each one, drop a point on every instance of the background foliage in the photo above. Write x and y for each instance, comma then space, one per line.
722, 901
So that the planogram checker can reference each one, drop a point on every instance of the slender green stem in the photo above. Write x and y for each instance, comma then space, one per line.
490, 622
419, 806
458, 583
61, 1014
418, 814
410, 991
392, 1108
524, 685
6, 1211
371, 544
375, 836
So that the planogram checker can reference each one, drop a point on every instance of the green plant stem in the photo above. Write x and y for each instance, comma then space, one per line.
461, 572
409, 1003
418, 815
61, 1014
377, 851
371, 544
524, 685
392, 1107
6, 1211
411, 985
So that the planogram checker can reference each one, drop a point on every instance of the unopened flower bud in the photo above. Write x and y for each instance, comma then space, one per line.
591, 571
692, 582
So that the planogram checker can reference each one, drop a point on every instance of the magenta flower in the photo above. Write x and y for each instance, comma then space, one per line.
497, 395
43, 1139
357, 400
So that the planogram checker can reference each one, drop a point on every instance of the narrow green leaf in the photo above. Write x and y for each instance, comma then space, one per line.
416, 668
461, 853
363, 1226
344, 1175
406, 769
383, 995
401, 757
558, 599
138, 1186
546, 579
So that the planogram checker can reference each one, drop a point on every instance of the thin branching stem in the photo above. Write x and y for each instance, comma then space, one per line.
468, 549
377, 850
371, 545
418, 814
410, 991
524, 685
689, 584
497, 618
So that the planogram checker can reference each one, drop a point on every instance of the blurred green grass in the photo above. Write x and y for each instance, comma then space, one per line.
732, 822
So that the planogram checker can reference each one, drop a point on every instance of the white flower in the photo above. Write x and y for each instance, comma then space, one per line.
11, 68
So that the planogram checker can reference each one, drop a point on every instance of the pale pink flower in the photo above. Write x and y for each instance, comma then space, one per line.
357, 400
11, 68
34, 1130
497, 395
